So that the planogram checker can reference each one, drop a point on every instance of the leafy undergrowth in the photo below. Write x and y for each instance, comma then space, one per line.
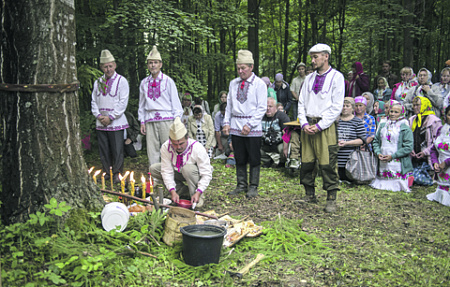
377, 238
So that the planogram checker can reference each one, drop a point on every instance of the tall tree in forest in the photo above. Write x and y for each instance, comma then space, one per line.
253, 30
41, 147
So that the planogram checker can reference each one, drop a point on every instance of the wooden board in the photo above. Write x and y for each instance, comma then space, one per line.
293, 123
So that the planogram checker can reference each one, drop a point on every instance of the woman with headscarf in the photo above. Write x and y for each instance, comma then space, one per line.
359, 82
423, 90
370, 100
392, 145
443, 87
351, 134
425, 125
400, 90
383, 92
378, 111
440, 158
270, 91
201, 128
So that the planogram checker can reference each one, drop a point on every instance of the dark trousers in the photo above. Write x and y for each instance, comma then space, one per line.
110, 145
247, 150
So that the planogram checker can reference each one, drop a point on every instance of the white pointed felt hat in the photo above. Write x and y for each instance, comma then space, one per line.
106, 57
177, 130
154, 54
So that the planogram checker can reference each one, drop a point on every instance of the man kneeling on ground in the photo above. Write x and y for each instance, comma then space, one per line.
272, 143
183, 160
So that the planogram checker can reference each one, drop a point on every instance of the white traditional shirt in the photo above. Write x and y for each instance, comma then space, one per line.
246, 105
158, 99
326, 104
110, 98
172, 162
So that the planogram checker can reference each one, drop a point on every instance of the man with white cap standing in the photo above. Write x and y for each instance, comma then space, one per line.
108, 105
320, 103
159, 104
183, 160
246, 106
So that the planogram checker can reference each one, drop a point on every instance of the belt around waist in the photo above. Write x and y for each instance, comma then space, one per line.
313, 120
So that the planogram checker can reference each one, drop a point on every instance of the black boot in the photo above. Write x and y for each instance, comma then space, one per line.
241, 175
331, 201
254, 181
310, 196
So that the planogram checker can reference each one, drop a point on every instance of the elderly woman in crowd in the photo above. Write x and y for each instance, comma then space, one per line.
270, 91
351, 134
369, 121
423, 90
440, 158
359, 82
400, 90
383, 93
378, 111
425, 125
370, 101
201, 128
392, 145
222, 99
443, 87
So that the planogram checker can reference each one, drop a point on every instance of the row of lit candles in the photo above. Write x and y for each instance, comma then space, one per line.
122, 180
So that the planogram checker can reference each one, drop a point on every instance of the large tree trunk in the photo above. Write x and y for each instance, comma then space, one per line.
41, 150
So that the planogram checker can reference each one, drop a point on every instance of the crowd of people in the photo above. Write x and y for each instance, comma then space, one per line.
249, 126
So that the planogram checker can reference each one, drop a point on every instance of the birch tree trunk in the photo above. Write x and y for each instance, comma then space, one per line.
41, 146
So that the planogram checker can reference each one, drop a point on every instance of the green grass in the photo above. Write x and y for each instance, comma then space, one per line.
377, 238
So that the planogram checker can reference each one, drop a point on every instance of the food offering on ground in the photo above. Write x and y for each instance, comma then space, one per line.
236, 228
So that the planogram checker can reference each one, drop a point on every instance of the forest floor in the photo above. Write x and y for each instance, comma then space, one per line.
376, 238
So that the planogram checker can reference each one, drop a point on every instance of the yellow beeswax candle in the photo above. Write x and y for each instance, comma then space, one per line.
97, 172
103, 180
143, 186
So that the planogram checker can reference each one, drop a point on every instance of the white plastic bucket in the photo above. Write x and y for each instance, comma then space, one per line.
114, 214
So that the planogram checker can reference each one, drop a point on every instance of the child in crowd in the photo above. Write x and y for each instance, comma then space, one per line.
392, 145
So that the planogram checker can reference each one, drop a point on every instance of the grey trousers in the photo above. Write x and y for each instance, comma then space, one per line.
157, 133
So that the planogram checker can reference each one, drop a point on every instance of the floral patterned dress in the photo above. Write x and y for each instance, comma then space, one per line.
390, 175
442, 145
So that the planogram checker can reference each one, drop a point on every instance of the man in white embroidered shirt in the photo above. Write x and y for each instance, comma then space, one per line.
320, 103
159, 104
109, 102
246, 106
183, 160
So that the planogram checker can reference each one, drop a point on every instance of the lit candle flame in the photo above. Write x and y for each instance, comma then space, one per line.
97, 172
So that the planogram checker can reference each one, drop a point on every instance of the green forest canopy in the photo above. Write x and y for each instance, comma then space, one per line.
199, 39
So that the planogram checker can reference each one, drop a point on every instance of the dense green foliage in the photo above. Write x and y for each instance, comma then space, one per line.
198, 40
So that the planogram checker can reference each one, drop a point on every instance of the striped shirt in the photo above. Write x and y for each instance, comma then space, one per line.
348, 131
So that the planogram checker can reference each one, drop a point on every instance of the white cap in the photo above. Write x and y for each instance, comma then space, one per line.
318, 48
106, 57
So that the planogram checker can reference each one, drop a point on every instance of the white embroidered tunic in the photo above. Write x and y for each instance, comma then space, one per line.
246, 105
442, 145
326, 104
172, 162
110, 98
158, 99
